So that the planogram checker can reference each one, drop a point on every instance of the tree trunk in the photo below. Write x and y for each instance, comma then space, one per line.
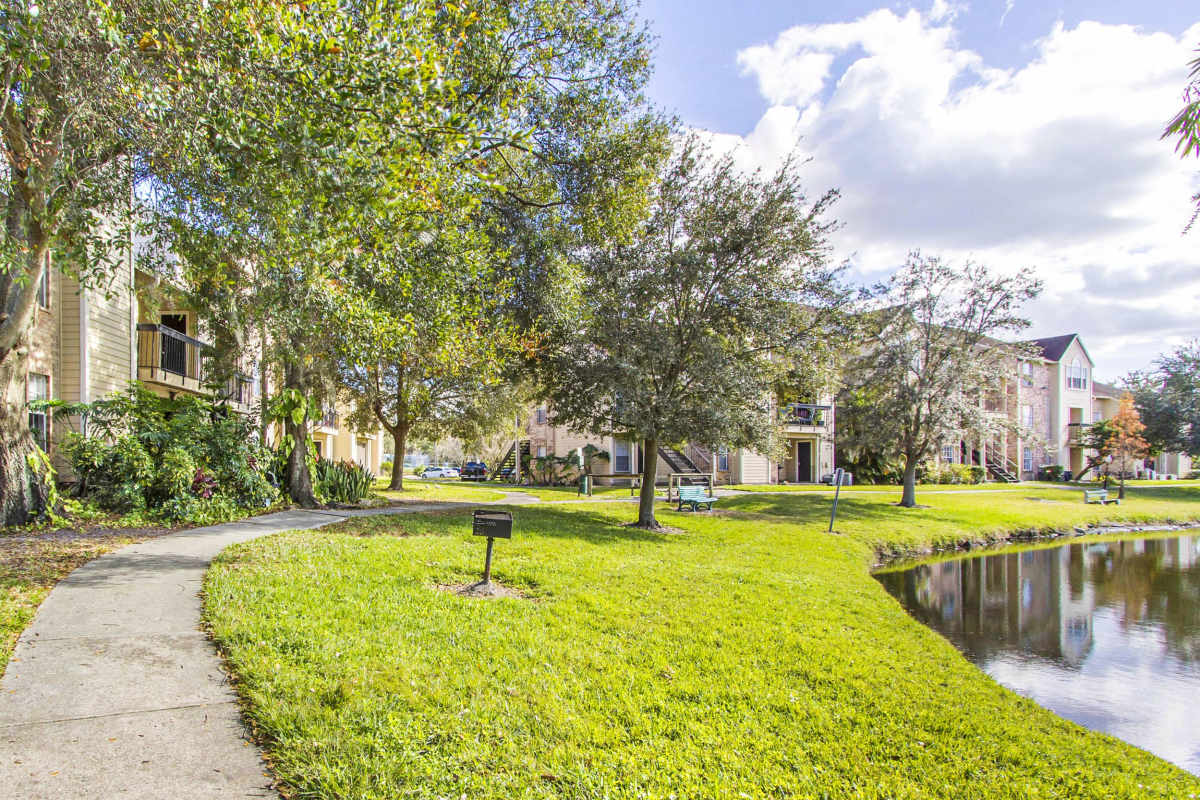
23, 495
300, 486
909, 498
400, 447
646, 497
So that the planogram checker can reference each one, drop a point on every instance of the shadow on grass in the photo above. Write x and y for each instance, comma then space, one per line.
807, 508
591, 526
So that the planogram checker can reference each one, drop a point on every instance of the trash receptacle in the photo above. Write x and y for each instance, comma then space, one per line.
585, 485
1067, 475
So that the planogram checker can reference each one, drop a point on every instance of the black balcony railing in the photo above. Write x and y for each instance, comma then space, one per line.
803, 414
242, 389
165, 350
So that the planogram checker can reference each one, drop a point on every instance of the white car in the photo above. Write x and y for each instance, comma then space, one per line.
440, 472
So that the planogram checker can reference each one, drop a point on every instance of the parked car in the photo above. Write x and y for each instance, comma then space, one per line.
440, 472
474, 471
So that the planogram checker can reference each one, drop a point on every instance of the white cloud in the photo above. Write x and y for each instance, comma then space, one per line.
1056, 164
1008, 7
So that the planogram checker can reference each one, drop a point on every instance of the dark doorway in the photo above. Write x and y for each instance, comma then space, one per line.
176, 322
804, 462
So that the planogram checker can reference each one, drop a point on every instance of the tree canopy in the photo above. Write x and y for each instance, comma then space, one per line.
678, 332
930, 361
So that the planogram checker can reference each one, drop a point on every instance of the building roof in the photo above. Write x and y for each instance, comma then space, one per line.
1053, 347
1106, 389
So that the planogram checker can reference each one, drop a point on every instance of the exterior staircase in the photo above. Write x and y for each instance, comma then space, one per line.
680, 464
509, 462
1002, 469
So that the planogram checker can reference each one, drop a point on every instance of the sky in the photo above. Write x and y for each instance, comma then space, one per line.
1016, 133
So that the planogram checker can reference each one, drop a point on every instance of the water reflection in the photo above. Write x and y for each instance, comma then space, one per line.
1106, 634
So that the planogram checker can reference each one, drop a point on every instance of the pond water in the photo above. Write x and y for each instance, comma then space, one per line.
1106, 634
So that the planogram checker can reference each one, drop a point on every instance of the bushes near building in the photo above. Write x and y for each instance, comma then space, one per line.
182, 458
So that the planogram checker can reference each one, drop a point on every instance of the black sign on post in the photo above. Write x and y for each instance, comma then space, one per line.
494, 525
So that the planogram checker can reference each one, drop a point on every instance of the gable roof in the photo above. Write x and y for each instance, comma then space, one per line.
1053, 347
1106, 389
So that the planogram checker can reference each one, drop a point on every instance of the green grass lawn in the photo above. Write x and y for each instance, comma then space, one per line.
419, 491
749, 654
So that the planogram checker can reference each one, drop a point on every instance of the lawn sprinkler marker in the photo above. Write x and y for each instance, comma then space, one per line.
494, 525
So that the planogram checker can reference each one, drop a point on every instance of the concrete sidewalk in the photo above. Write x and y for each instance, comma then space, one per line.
114, 691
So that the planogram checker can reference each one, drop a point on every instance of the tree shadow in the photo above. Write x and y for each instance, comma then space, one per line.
554, 522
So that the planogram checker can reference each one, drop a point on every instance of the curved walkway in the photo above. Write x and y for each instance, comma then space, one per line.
114, 691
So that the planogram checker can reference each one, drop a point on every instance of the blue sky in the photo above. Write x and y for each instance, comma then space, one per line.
1018, 134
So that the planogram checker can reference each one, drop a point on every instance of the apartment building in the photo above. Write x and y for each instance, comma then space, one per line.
88, 342
1053, 398
807, 428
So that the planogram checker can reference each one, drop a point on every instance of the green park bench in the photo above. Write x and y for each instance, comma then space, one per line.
1099, 496
694, 497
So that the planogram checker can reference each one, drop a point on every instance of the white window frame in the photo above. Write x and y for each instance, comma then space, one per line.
1027, 460
38, 420
618, 445
948, 453
1077, 375
1027, 415
43, 289
540, 415
723, 459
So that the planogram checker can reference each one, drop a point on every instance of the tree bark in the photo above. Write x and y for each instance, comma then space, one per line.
908, 498
300, 486
23, 495
400, 447
646, 497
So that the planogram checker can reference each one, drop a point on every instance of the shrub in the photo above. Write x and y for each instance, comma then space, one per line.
341, 481
976, 474
181, 458
1051, 472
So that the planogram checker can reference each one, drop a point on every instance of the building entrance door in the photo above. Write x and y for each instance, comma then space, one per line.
804, 462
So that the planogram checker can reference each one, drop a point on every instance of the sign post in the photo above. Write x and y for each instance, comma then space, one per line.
494, 525
837, 481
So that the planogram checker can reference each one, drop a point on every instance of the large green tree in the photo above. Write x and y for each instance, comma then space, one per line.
674, 334
1167, 398
88, 87
341, 114
425, 347
929, 358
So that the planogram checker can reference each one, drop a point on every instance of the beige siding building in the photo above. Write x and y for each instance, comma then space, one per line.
87, 343
807, 429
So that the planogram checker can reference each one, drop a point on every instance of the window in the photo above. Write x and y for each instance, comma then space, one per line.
1027, 373
541, 415
541, 451
723, 460
1027, 459
38, 388
948, 453
1027, 416
43, 289
1077, 375
621, 453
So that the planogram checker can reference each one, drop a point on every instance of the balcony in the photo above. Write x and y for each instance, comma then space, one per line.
169, 358
1077, 433
803, 415
241, 392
